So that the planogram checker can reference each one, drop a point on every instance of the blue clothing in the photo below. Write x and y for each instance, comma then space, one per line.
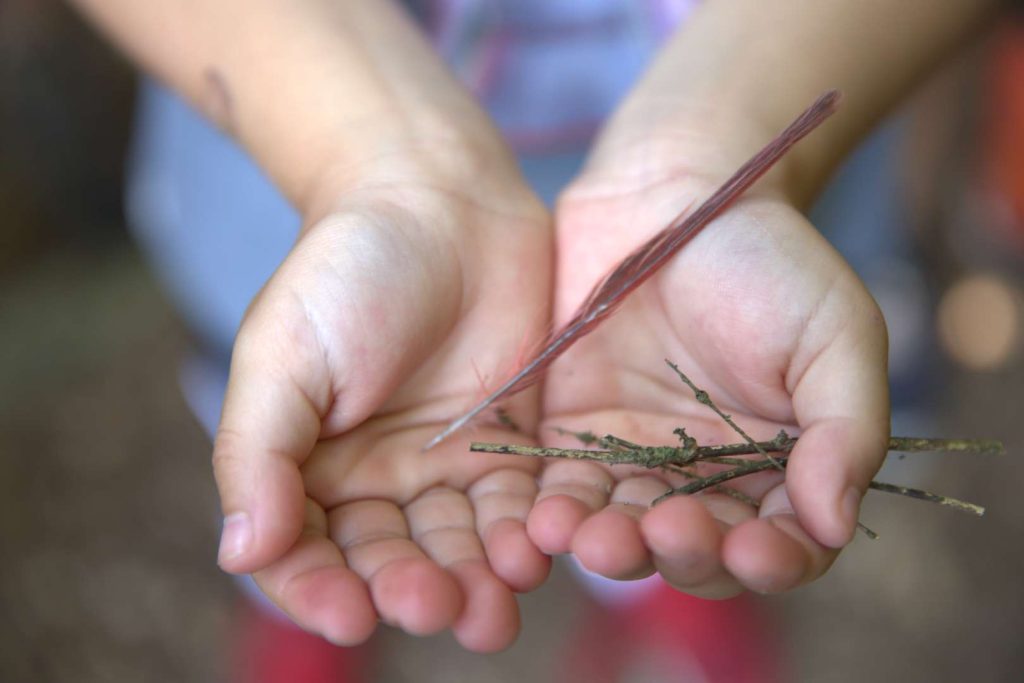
547, 71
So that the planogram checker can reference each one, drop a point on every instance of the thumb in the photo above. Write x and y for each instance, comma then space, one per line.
842, 404
270, 422
307, 349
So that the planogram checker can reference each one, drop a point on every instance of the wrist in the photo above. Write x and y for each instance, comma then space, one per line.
329, 137
699, 141
737, 72
437, 159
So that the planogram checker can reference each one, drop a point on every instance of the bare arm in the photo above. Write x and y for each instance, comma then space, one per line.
421, 246
758, 305
737, 71
314, 89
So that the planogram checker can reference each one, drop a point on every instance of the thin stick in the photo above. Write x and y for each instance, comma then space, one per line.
777, 445
927, 496
709, 453
900, 444
647, 456
744, 498
867, 531
703, 397
907, 444
732, 493
753, 467
678, 458
661, 456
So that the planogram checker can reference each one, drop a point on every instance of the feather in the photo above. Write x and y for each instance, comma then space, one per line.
646, 260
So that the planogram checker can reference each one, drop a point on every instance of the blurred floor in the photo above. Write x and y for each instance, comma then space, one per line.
938, 597
106, 501
108, 513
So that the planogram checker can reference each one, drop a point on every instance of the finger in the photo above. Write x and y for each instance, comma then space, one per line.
314, 587
501, 503
408, 589
610, 543
685, 534
569, 493
842, 403
305, 349
774, 552
270, 421
442, 523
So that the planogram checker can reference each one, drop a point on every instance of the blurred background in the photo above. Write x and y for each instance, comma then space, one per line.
108, 514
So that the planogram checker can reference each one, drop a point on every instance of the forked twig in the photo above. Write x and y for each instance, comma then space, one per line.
660, 456
682, 458
703, 397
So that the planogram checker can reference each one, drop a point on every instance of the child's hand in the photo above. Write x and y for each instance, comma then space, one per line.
766, 317
758, 309
351, 358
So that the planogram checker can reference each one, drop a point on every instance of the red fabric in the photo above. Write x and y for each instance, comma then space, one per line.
1002, 130
269, 649
727, 641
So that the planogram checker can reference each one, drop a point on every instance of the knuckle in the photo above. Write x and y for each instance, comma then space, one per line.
227, 461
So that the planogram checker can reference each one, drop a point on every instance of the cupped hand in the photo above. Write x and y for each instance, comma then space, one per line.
349, 360
763, 314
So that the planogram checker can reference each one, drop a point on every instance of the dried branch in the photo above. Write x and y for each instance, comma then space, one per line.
682, 458
703, 397
657, 455
927, 496
661, 456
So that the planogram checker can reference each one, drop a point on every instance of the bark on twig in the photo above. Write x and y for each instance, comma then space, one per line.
683, 458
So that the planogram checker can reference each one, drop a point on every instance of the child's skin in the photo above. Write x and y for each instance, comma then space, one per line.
424, 254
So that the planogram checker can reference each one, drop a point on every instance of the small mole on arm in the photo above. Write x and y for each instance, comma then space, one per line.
216, 100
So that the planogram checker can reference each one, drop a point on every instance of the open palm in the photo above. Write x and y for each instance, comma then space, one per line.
349, 360
766, 317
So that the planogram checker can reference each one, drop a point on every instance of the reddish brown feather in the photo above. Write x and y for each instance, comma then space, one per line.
645, 261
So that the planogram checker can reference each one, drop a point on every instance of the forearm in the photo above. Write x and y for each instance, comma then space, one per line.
739, 70
314, 89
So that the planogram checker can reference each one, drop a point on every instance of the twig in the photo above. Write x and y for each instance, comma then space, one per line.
678, 459
656, 454
754, 466
703, 397
662, 456
585, 437
907, 444
645, 456
731, 492
930, 497
900, 444
867, 531
505, 420
698, 485
744, 498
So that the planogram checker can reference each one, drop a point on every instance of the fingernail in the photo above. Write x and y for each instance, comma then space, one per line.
776, 502
850, 510
236, 537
